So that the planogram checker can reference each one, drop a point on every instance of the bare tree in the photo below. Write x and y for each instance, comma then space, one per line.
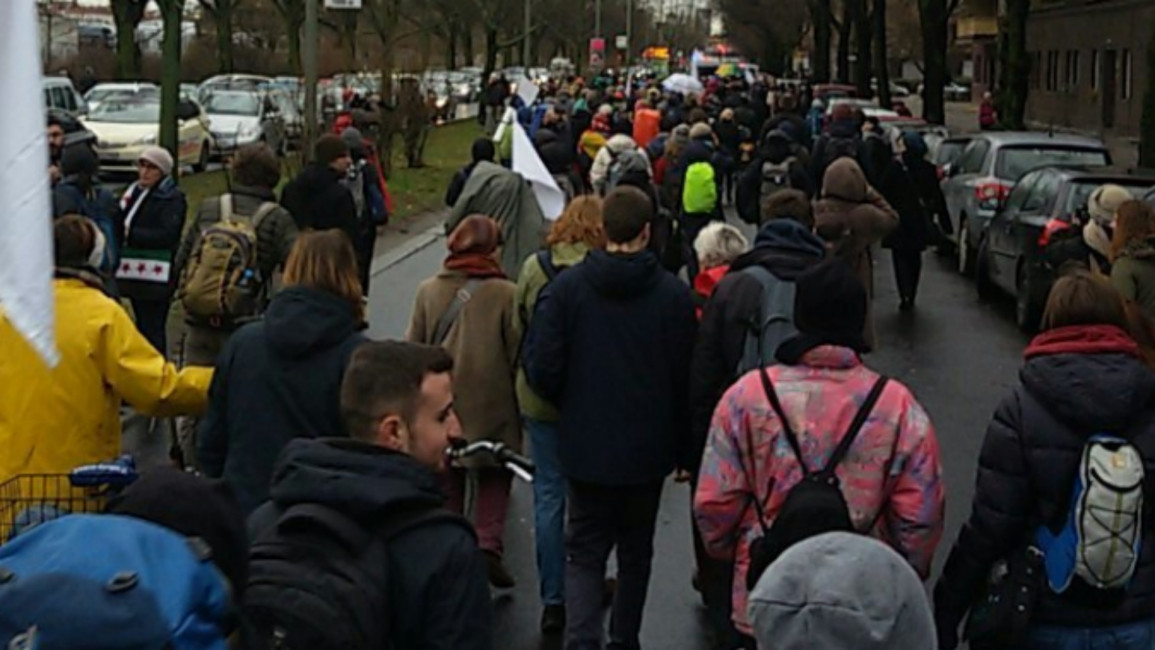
1014, 63
881, 69
766, 30
293, 12
127, 15
935, 17
822, 19
222, 12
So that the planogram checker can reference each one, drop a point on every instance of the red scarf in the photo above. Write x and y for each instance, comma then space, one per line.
1082, 339
473, 248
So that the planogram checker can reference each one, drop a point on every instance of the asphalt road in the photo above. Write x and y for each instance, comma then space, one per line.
958, 356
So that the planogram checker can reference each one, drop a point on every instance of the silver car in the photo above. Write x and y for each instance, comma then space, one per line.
240, 117
989, 167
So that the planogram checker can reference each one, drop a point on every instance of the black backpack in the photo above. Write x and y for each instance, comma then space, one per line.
841, 147
318, 579
816, 504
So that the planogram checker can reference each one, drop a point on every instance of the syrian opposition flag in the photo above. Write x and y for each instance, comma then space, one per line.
144, 265
27, 300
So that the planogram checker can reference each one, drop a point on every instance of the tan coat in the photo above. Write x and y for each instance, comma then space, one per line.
484, 346
851, 217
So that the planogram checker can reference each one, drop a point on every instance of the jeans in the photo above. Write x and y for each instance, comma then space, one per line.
602, 518
907, 270
152, 321
490, 502
1132, 636
548, 510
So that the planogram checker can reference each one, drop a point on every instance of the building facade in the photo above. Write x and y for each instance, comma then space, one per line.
1089, 64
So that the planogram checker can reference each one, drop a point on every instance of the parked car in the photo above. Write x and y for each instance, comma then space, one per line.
948, 153
75, 132
826, 92
59, 93
1045, 201
242, 82
124, 127
242, 117
101, 92
465, 91
291, 114
989, 167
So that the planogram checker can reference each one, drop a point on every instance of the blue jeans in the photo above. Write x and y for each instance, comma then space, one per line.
1132, 636
548, 510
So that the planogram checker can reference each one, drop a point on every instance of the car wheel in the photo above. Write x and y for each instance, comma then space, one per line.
202, 162
1028, 308
966, 257
983, 281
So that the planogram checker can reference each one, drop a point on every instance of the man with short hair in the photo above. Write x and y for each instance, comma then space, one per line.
610, 345
316, 198
397, 404
55, 148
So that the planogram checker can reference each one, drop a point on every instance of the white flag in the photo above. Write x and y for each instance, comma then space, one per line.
527, 163
26, 296
527, 90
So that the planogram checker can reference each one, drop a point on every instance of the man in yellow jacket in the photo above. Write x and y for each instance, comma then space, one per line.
55, 419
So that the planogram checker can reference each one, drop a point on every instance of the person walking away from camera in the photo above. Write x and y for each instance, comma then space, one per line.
558, 158
1133, 255
615, 147
1088, 245
80, 192
317, 198
699, 194
577, 231
717, 246
364, 184
397, 403
599, 327
988, 114
758, 289
851, 217
279, 378
1085, 403
814, 119
729, 139
481, 151
889, 475
504, 196
910, 184
775, 169
468, 309
251, 212
842, 139
839, 591
58, 418
153, 212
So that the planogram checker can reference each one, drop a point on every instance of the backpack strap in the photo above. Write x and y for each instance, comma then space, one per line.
545, 260
227, 213
445, 323
855, 426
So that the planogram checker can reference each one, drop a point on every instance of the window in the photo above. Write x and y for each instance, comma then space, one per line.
1128, 70
1072, 70
1053, 70
1018, 195
973, 157
1095, 69
1041, 194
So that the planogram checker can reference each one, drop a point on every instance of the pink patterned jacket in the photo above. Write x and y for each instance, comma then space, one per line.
891, 476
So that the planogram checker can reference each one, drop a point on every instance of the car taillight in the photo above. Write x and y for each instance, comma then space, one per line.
940, 171
1053, 226
990, 193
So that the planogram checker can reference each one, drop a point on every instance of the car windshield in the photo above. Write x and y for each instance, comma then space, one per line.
1015, 161
950, 151
233, 104
1081, 191
121, 112
101, 94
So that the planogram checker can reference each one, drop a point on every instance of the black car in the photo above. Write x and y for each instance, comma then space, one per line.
1042, 203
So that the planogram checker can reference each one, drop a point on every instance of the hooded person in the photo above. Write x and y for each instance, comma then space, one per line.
615, 148
777, 167
557, 157
483, 150
507, 198
851, 217
1091, 249
841, 591
79, 192
891, 474
1133, 255
843, 139
468, 309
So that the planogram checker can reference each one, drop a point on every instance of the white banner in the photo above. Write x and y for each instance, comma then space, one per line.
527, 90
26, 296
527, 163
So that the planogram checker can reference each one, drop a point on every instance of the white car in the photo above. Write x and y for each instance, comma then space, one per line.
241, 117
124, 127
101, 92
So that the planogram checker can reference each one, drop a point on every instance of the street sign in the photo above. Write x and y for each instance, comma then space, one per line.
597, 53
342, 4
622, 42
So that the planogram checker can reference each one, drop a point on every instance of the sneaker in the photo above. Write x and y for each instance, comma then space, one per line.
499, 576
553, 620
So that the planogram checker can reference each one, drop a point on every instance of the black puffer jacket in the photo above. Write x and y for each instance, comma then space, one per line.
155, 229
1076, 382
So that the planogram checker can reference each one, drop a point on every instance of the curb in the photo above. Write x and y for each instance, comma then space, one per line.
410, 248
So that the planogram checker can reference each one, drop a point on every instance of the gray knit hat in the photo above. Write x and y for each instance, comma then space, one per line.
841, 591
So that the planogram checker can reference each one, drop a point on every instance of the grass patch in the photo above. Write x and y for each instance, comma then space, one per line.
414, 190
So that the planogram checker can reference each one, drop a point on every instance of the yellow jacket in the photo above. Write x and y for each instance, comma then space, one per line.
55, 419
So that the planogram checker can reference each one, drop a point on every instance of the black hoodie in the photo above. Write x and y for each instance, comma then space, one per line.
317, 200
610, 344
276, 380
438, 594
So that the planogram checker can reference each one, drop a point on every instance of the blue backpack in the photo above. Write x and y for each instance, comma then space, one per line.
149, 574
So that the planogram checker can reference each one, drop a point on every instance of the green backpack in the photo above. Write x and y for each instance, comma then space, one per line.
699, 190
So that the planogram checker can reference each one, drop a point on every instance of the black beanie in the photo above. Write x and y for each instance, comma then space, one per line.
329, 147
830, 307
483, 150
79, 160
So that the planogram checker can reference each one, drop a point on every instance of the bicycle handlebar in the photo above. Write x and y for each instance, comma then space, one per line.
508, 458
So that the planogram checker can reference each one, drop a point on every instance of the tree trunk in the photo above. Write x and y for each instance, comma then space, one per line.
171, 11
467, 44
127, 14
934, 18
223, 19
1015, 65
820, 65
881, 69
491, 47
451, 47
863, 35
1147, 125
844, 30
293, 24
